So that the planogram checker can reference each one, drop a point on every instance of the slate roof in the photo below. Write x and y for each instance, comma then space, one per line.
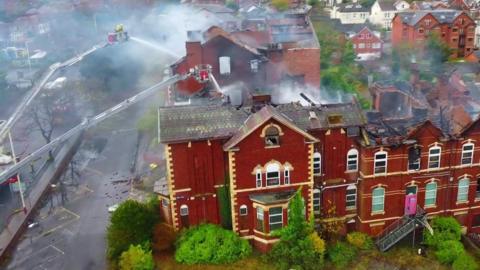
273, 197
386, 5
190, 123
187, 123
345, 8
442, 16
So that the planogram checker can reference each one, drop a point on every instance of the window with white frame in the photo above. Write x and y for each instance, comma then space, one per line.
258, 178
260, 223
378, 199
243, 210
380, 163
317, 163
351, 199
316, 201
361, 45
286, 176
431, 194
224, 63
184, 210
272, 136
467, 153
434, 157
275, 218
352, 160
462, 195
273, 174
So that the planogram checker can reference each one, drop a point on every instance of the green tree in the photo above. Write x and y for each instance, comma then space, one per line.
131, 224
348, 55
444, 229
449, 251
341, 254
280, 5
148, 122
438, 50
136, 258
313, 2
465, 262
299, 247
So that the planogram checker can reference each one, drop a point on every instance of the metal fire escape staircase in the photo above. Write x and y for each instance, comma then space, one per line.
401, 228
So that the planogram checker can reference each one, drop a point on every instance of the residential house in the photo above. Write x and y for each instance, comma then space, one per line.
366, 43
455, 28
429, 5
383, 11
351, 13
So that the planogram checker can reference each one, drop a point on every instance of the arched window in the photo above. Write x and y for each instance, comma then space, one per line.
430, 194
352, 160
183, 210
316, 201
273, 174
351, 199
272, 136
258, 177
243, 210
434, 157
317, 163
467, 154
378, 199
462, 195
286, 176
380, 163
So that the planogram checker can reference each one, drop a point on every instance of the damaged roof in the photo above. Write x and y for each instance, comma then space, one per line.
187, 123
190, 123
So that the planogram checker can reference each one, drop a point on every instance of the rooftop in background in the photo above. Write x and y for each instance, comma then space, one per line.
351, 7
443, 16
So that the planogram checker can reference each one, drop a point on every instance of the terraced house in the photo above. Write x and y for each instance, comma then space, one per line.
364, 172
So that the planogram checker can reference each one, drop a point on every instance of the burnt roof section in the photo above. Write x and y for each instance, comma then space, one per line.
442, 16
188, 123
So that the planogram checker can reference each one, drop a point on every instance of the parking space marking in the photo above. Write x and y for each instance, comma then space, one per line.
57, 249
75, 218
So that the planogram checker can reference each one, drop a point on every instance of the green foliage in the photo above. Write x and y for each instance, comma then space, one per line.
329, 39
312, 2
444, 229
449, 251
341, 254
280, 5
136, 258
465, 262
210, 244
231, 4
299, 247
360, 240
348, 55
223, 195
439, 50
131, 224
148, 122
367, 3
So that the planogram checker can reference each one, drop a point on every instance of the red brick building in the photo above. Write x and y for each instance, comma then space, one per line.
263, 157
285, 51
455, 28
367, 42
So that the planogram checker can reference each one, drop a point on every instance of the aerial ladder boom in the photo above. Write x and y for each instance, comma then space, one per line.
39, 86
201, 73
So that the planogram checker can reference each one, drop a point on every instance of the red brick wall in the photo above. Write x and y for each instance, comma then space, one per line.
304, 62
361, 37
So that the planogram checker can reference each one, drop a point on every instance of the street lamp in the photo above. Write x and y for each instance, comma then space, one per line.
15, 162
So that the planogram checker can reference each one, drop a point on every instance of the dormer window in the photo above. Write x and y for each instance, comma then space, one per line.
272, 136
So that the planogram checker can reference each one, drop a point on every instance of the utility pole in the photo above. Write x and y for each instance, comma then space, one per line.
28, 55
18, 174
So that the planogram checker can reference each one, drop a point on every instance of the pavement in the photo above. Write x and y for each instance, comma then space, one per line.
71, 235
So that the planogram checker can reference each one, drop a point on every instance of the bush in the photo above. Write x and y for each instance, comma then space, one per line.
360, 240
444, 229
280, 5
449, 251
299, 247
465, 262
341, 254
131, 224
136, 258
210, 244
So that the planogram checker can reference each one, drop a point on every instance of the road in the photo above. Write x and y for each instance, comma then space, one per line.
72, 235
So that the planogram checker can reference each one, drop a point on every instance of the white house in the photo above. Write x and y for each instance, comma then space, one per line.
383, 11
351, 13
